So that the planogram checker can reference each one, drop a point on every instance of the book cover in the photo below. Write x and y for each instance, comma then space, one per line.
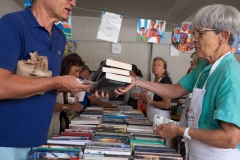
116, 71
81, 134
68, 142
118, 64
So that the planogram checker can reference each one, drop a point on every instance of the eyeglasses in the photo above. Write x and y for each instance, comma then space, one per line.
199, 33
72, 0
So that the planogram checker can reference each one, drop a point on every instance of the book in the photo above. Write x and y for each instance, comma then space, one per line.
80, 134
109, 150
85, 120
68, 142
116, 71
109, 63
82, 127
109, 82
118, 64
69, 138
104, 139
42, 154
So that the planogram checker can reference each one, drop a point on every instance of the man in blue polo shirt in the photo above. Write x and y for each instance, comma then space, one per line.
25, 113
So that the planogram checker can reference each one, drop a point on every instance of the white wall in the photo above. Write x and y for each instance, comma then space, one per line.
7, 6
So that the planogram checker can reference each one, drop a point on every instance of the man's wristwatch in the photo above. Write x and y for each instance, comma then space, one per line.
185, 135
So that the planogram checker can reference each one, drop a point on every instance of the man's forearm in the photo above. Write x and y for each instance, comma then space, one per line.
17, 87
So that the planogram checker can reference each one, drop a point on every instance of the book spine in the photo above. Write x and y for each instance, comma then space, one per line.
90, 115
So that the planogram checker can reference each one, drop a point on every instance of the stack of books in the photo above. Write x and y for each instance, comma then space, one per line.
107, 148
111, 75
50, 151
154, 152
85, 120
92, 112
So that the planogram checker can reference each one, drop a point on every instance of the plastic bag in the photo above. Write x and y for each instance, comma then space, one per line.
35, 67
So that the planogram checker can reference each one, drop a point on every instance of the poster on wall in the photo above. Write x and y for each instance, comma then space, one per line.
152, 31
236, 46
182, 38
66, 26
109, 27
70, 47
27, 3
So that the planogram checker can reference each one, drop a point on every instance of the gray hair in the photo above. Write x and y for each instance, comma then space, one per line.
220, 17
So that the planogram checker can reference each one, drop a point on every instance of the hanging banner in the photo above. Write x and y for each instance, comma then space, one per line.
66, 26
152, 31
236, 46
27, 3
182, 38
109, 27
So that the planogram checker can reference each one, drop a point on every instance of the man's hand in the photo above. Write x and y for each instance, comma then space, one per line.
70, 84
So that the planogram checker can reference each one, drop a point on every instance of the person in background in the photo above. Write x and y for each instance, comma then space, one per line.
213, 130
72, 64
27, 113
134, 92
85, 72
193, 62
157, 105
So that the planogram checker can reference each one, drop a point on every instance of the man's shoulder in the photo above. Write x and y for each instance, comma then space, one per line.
13, 15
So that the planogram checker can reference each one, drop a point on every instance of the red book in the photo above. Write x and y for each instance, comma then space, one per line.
80, 134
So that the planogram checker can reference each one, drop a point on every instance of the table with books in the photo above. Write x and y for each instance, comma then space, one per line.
116, 133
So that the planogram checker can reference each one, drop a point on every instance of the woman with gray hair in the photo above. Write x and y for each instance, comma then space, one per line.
213, 116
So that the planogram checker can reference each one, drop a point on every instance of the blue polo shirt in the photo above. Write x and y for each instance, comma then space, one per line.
222, 97
25, 122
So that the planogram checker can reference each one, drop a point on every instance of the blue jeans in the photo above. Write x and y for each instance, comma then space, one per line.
11, 153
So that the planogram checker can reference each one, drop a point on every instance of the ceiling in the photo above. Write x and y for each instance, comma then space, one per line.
173, 12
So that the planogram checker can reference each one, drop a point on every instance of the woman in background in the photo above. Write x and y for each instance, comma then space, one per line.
71, 65
156, 104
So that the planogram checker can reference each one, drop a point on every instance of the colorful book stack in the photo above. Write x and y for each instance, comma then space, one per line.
51, 151
117, 149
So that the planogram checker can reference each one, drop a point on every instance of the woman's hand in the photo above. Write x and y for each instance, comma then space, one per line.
121, 91
78, 107
167, 130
